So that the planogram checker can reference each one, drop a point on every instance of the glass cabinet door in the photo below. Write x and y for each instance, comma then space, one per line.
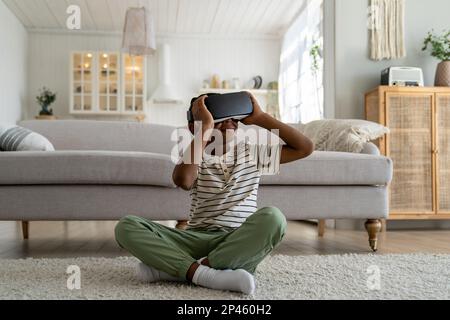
134, 83
108, 90
82, 80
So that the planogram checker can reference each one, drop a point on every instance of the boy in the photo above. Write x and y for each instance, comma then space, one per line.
227, 237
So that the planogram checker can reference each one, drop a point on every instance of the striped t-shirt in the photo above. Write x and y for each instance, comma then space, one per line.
225, 192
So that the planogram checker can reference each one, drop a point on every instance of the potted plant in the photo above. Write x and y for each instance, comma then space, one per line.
440, 49
45, 99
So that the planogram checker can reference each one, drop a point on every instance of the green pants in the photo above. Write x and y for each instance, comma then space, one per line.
174, 251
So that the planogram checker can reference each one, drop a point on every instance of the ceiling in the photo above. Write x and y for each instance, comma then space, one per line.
203, 17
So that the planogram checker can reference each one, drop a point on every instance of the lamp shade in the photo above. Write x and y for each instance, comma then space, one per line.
139, 32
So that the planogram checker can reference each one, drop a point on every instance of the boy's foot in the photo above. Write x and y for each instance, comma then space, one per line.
233, 280
148, 274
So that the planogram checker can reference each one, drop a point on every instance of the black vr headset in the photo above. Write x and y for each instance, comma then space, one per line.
235, 106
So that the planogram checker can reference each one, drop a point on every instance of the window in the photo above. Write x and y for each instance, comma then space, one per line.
301, 67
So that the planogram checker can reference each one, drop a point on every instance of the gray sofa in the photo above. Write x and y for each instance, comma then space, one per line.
106, 170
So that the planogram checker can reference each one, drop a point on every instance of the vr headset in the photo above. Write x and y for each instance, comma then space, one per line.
235, 106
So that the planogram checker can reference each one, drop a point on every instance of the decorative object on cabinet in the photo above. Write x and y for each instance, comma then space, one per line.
236, 83
225, 84
215, 82
139, 32
257, 82
419, 145
205, 84
107, 83
45, 98
440, 49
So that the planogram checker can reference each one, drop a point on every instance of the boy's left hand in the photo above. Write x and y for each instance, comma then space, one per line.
257, 113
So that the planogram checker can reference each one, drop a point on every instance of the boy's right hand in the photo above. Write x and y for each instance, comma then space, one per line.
201, 113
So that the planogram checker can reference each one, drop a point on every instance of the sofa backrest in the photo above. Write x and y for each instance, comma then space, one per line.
104, 135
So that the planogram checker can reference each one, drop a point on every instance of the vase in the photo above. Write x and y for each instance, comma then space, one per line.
443, 74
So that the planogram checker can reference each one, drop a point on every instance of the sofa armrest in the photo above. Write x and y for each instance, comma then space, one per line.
370, 148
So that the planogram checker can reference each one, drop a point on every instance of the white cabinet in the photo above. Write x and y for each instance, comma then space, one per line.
105, 83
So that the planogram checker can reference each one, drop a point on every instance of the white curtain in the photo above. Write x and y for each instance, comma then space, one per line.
301, 85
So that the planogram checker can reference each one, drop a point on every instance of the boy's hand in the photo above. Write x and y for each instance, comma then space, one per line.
257, 114
201, 113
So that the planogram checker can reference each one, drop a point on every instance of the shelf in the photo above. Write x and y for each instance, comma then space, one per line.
223, 91
97, 113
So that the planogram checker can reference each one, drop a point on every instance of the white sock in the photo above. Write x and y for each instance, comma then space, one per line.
233, 280
148, 274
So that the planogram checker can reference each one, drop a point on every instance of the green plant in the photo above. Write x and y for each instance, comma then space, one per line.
315, 53
440, 45
45, 99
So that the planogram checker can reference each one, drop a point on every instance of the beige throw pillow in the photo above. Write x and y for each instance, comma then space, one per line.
342, 135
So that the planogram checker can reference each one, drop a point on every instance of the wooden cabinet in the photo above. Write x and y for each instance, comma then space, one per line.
418, 144
107, 83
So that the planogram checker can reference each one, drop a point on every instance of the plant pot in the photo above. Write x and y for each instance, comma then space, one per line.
443, 74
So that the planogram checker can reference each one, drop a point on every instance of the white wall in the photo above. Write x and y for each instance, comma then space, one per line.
13, 66
356, 73
193, 60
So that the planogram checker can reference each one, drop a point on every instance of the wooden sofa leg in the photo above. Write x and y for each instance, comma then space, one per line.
373, 227
321, 227
182, 224
25, 229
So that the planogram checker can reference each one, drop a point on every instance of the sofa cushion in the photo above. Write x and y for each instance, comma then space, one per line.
334, 168
86, 167
15, 138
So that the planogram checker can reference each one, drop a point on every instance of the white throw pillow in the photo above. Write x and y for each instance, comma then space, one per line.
15, 138
342, 135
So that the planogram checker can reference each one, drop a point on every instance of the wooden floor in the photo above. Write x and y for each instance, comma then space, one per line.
96, 239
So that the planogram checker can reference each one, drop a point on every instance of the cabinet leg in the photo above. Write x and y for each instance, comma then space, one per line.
182, 224
321, 227
373, 227
25, 229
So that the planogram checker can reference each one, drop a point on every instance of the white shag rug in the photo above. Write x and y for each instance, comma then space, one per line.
413, 276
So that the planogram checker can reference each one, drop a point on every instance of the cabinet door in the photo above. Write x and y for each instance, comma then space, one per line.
82, 82
443, 155
108, 82
410, 144
134, 83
